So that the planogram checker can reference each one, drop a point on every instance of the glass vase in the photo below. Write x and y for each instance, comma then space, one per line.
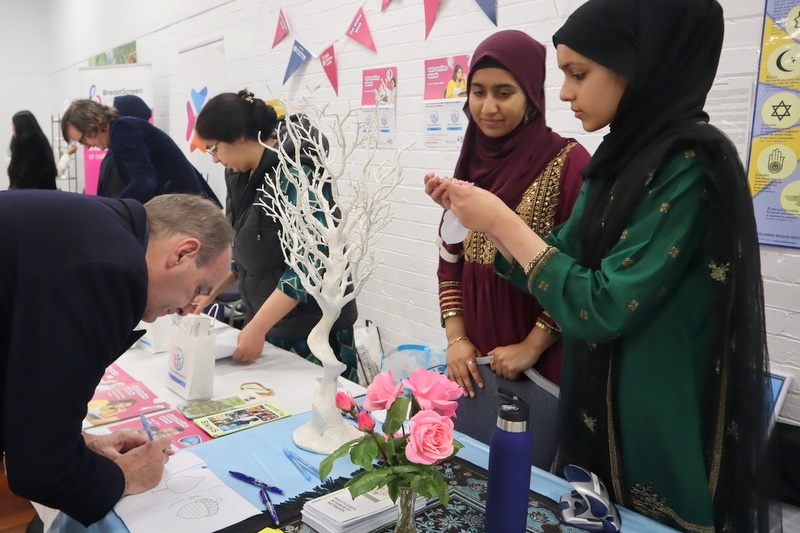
405, 511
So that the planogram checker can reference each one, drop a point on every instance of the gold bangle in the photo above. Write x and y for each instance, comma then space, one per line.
540, 265
536, 259
547, 328
457, 311
461, 338
547, 319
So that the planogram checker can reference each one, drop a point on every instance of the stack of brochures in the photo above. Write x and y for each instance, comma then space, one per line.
338, 512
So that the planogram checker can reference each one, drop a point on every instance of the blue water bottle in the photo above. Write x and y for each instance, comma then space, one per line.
510, 449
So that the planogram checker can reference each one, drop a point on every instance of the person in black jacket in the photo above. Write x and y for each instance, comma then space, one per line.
77, 273
148, 160
32, 163
277, 308
110, 182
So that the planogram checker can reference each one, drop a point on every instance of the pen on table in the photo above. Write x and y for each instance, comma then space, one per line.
268, 503
146, 426
301, 464
253, 481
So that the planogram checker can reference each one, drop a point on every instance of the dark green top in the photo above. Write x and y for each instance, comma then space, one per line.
652, 289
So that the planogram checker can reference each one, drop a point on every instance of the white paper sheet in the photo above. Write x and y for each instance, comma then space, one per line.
190, 498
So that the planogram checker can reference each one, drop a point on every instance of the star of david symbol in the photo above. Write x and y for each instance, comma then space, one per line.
780, 115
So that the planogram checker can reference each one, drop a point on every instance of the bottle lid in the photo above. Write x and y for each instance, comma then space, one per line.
512, 407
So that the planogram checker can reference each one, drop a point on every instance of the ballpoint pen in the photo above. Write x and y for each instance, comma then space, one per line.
303, 466
258, 483
268, 503
146, 425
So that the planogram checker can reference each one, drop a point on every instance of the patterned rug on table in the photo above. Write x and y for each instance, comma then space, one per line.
464, 513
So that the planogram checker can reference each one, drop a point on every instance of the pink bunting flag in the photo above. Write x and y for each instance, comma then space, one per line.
328, 60
431, 8
384, 4
282, 30
359, 30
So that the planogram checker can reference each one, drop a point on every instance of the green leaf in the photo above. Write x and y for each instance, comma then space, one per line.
396, 416
394, 488
326, 465
456, 446
364, 453
367, 481
441, 486
424, 485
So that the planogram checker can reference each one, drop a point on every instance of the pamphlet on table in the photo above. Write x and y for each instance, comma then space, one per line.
245, 417
338, 512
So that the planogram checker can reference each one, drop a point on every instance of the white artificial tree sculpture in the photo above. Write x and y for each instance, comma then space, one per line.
327, 237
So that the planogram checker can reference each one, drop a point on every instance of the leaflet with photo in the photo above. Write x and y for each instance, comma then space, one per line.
180, 429
121, 403
245, 417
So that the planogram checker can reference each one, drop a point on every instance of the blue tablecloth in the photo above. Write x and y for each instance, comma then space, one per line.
258, 452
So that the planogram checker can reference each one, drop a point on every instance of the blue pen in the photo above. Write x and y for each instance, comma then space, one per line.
268, 503
256, 482
301, 464
146, 426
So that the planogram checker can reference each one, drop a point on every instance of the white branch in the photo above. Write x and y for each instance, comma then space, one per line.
327, 239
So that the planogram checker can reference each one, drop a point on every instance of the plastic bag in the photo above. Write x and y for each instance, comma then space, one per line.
369, 350
408, 357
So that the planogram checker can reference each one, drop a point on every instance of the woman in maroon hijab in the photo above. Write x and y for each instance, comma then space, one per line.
508, 150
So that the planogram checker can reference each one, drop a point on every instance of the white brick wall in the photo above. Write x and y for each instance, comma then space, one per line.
401, 297
24, 69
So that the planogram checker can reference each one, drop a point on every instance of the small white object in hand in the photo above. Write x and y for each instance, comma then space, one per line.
452, 232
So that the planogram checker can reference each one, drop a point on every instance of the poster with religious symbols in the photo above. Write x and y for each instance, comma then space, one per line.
775, 141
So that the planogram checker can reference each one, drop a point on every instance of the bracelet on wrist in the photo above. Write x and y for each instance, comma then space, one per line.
541, 324
461, 338
536, 258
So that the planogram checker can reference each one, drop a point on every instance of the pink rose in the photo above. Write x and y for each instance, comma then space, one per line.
345, 402
382, 392
430, 438
365, 421
435, 391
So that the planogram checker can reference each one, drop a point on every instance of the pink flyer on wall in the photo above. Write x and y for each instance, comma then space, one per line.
379, 85
378, 99
444, 99
446, 77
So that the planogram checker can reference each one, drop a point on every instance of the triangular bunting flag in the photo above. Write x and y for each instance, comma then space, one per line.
431, 8
299, 56
490, 8
282, 30
384, 4
328, 60
359, 30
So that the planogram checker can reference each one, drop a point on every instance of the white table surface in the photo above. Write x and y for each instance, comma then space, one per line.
292, 379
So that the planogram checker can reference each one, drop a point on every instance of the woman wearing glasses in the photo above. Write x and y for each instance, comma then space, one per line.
277, 308
148, 160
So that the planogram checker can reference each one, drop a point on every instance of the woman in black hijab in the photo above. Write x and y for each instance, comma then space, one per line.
32, 163
655, 280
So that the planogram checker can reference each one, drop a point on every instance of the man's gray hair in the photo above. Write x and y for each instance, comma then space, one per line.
194, 216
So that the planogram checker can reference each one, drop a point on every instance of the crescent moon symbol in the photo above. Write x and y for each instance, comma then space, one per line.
779, 61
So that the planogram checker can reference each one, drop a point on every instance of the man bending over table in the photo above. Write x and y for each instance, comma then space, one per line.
77, 273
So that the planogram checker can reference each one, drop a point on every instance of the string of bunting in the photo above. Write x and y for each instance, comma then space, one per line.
359, 32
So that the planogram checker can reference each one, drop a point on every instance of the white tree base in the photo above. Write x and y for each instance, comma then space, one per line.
326, 440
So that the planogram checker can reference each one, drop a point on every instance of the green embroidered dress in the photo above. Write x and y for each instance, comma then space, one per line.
652, 293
